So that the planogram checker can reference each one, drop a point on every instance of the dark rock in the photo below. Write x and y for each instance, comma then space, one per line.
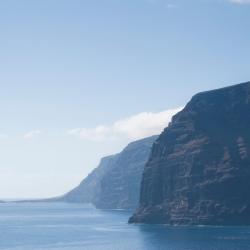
199, 168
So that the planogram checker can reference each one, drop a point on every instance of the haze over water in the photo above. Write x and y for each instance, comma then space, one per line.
60, 226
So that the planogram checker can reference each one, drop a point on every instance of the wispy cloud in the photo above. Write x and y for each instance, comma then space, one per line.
134, 127
32, 134
242, 2
169, 4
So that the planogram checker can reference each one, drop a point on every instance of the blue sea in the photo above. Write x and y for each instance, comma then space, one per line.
60, 226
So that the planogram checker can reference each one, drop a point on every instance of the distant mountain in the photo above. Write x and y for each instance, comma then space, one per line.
115, 183
199, 168
89, 189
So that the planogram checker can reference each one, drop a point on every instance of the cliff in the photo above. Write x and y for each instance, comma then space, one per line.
120, 187
199, 168
115, 183
88, 190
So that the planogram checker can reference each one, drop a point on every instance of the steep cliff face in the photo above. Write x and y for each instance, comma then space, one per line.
115, 183
199, 168
120, 187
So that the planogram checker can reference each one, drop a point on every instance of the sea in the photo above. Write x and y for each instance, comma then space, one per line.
62, 226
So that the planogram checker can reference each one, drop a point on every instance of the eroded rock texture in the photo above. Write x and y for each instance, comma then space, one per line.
115, 183
199, 168
120, 187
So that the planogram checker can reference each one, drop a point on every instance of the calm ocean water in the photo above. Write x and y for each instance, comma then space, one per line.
78, 227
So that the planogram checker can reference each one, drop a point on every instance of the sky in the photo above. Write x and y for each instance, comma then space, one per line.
79, 79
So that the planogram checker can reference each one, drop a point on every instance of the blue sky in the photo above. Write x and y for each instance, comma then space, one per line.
80, 79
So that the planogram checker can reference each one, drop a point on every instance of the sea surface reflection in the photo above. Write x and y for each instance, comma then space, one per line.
61, 226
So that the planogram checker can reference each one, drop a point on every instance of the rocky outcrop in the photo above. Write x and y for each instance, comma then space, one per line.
88, 191
120, 187
199, 168
115, 183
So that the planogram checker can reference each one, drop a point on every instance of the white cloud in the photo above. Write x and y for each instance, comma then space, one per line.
133, 128
32, 134
240, 1
98, 133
